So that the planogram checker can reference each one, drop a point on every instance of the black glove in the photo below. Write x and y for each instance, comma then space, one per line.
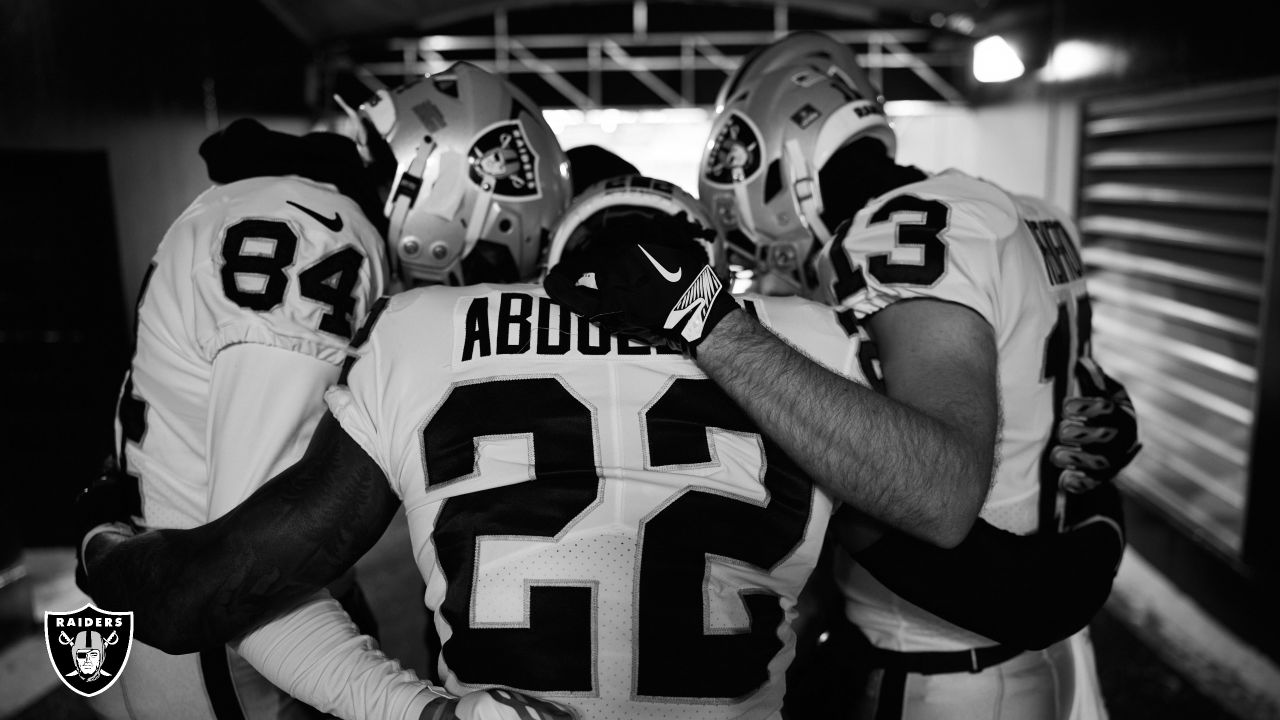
111, 498
659, 288
1098, 433
1099, 505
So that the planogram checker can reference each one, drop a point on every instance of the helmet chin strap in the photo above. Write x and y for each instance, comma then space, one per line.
480, 212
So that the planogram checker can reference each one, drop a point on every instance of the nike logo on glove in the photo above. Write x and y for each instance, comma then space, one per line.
333, 224
665, 273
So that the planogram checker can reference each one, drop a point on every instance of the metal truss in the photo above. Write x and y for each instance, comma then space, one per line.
578, 65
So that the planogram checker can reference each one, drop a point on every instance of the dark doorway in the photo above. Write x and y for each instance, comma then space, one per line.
63, 335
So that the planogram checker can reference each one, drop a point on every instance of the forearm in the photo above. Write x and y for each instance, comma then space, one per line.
296, 534
896, 464
182, 598
156, 576
315, 653
1026, 591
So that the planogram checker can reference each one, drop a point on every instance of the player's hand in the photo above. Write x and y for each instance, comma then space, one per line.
660, 290
1098, 434
1098, 511
105, 502
497, 704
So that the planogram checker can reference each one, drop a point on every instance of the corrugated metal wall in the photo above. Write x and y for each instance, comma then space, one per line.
1175, 206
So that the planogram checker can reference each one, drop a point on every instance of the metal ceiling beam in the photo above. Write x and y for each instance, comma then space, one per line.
643, 74
753, 38
551, 76
575, 65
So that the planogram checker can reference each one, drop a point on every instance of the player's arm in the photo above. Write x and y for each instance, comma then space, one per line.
1028, 591
193, 588
314, 651
918, 459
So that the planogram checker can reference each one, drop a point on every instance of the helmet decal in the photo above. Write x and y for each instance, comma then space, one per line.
807, 77
503, 161
429, 115
735, 155
805, 116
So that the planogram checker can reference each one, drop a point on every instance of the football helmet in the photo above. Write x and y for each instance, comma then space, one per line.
479, 181
803, 46
760, 166
612, 207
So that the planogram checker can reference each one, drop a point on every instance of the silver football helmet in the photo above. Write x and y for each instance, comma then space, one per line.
480, 177
803, 46
611, 206
759, 170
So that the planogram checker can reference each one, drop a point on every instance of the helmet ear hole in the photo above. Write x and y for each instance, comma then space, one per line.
504, 225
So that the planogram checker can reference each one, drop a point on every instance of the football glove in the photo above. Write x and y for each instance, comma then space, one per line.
1098, 433
1099, 507
109, 501
660, 290
496, 704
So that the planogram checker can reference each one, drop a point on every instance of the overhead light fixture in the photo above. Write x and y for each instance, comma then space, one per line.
1079, 59
994, 60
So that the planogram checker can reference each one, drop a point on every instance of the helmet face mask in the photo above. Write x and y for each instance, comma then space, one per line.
760, 167
475, 163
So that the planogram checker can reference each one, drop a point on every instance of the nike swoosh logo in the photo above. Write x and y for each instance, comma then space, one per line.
665, 273
334, 224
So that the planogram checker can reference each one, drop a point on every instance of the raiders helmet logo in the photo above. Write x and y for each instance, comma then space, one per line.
735, 152
89, 647
503, 162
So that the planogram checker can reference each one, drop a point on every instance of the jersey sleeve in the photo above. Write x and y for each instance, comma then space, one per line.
356, 400
316, 654
264, 404
918, 247
283, 278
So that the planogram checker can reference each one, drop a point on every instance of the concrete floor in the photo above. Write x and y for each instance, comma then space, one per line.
1137, 680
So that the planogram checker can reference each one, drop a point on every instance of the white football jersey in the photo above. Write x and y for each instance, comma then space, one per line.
596, 522
277, 262
1016, 262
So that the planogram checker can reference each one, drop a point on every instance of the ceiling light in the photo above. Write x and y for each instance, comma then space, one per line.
1079, 59
994, 60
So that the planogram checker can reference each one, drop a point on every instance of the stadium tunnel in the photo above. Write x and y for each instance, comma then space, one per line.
1155, 124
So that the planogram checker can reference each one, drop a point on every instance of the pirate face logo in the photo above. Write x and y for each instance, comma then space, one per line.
89, 647
503, 162
735, 152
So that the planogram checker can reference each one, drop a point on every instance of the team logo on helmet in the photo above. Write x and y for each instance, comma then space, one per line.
503, 161
735, 152
88, 647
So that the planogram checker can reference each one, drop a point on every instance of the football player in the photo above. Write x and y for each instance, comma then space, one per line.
245, 320
242, 320
975, 298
